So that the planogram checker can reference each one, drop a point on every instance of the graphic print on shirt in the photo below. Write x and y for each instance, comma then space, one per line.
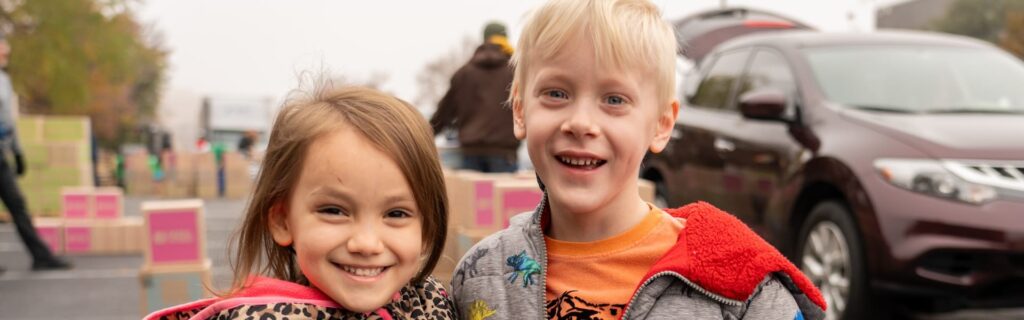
469, 266
522, 266
571, 306
479, 310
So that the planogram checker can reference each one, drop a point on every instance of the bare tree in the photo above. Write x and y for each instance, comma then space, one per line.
434, 78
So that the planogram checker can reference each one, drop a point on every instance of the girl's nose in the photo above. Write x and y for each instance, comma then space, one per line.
365, 241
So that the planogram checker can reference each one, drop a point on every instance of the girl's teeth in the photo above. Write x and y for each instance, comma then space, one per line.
363, 272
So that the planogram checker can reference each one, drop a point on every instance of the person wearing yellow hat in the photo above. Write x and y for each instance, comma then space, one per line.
474, 106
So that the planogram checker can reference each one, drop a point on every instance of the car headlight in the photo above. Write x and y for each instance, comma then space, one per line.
931, 177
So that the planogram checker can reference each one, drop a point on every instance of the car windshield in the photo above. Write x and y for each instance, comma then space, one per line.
920, 79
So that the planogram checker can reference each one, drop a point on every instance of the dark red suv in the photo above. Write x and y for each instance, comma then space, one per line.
888, 162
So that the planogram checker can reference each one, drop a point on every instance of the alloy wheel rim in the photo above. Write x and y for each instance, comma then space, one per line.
826, 261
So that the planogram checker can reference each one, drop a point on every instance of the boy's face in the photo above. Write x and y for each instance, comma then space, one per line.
588, 126
353, 222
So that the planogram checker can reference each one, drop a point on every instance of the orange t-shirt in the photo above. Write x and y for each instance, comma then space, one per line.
595, 280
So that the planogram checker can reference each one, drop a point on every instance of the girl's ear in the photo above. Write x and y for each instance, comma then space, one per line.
666, 123
279, 229
518, 124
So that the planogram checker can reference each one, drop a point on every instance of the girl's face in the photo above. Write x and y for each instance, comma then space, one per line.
353, 222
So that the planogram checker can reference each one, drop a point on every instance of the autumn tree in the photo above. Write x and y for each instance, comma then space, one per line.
85, 57
995, 21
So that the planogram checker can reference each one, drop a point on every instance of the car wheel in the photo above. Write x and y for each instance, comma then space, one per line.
831, 256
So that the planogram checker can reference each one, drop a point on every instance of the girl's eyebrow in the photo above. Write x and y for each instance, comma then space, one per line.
330, 192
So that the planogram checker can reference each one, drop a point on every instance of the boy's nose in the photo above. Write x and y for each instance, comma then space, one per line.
580, 122
365, 241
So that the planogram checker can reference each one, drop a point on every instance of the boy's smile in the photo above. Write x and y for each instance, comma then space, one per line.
588, 125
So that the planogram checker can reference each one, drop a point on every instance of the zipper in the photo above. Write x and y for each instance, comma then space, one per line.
709, 294
542, 253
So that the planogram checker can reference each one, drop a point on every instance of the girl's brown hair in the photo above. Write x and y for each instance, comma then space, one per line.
391, 124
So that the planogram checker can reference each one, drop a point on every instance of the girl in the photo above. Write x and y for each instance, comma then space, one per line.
347, 220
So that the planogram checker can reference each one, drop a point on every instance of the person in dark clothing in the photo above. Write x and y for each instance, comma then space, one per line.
10, 194
475, 106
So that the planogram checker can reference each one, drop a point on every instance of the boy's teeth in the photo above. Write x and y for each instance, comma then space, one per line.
578, 161
363, 272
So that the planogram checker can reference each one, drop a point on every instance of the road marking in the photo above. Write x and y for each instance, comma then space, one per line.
83, 274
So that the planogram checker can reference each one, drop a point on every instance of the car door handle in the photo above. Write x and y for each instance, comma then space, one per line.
724, 146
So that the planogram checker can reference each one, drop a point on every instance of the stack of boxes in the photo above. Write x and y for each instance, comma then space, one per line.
187, 175
481, 204
179, 175
176, 269
138, 179
237, 179
92, 222
206, 175
56, 153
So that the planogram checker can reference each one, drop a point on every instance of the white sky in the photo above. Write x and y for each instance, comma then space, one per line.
257, 48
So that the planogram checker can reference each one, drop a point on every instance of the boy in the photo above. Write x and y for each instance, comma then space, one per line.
593, 91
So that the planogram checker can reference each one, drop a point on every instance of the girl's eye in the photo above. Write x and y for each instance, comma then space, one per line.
557, 94
615, 100
398, 214
331, 211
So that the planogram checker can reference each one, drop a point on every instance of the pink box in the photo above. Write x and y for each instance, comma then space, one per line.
174, 236
484, 199
51, 232
175, 232
107, 205
78, 239
76, 204
519, 201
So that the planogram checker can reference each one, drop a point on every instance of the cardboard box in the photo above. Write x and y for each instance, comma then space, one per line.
163, 287
472, 200
175, 232
512, 197
66, 128
134, 235
76, 203
51, 231
78, 237
108, 203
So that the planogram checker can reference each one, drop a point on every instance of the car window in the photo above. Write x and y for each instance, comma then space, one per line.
715, 90
768, 70
920, 79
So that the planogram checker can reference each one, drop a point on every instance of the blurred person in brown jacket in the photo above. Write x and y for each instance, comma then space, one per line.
475, 106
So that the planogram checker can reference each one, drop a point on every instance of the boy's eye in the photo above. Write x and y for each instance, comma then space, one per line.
557, 94
398, 214
615, 100
331, 211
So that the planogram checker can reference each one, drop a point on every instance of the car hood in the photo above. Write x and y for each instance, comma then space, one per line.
951, 136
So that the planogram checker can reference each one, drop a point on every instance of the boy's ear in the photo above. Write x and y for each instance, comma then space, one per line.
666, 123
518, 120
279, 229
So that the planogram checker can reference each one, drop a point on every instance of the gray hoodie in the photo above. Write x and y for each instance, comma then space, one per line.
718, 269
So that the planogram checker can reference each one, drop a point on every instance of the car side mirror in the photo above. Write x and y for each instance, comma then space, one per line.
763, 104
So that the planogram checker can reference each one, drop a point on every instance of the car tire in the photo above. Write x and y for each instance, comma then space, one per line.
831, 254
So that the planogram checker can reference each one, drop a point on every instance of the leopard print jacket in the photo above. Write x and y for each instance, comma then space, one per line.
427, 300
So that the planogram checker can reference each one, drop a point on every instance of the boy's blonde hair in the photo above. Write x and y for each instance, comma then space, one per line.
627, 34
390, 124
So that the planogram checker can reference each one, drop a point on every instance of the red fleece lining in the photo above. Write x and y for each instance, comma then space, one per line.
721, 254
